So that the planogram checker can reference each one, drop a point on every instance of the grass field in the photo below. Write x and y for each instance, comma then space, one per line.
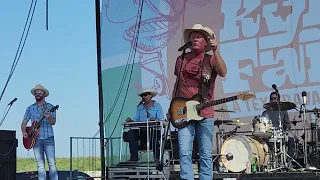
81, 164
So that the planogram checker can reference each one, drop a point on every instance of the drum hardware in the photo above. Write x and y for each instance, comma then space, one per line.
219, 122
221, 130
295, 135
223, 110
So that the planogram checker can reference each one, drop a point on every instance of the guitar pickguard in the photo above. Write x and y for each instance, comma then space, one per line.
192, 112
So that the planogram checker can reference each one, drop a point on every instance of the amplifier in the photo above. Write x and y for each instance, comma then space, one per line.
8, 155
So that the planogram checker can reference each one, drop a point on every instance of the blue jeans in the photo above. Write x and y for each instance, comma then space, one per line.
46, 146
204, 131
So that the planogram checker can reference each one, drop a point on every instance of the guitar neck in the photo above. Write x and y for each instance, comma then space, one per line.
216, 102
39, 123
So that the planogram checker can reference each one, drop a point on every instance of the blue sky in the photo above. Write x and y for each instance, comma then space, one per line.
63, 59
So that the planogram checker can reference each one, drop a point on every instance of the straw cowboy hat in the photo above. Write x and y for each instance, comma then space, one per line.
208, 33
153, 92
40, 87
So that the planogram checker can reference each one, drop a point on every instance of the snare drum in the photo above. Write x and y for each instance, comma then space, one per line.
243, 149
263, 127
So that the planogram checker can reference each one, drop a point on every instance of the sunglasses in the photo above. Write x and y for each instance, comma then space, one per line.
38, 93
274, 98
144, 94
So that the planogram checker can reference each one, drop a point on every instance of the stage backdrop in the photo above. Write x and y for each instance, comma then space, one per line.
263, 42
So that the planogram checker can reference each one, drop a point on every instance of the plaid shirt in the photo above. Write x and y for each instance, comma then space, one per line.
34, 112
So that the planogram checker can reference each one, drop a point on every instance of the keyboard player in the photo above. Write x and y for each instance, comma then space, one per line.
146, 109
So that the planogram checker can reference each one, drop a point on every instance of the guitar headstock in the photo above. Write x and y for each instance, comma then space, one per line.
246, 95
54, 108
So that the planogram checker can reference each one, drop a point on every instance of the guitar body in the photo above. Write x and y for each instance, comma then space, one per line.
33, 131
33, 134
183, 110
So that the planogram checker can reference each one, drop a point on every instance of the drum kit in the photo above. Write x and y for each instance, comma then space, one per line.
264, 148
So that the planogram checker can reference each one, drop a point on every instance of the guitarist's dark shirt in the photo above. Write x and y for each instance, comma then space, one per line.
190, 79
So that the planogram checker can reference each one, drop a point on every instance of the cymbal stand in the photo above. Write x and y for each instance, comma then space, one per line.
317, 128
295, 135
282, 144
305, 136
222, 128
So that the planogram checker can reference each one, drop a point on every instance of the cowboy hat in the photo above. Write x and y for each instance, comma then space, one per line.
153, 92
40, 87
208, 33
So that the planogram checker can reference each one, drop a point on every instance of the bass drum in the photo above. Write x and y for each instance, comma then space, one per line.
243, 149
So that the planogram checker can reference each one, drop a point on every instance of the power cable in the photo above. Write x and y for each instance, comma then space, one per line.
24, 39
135, 45
132, 48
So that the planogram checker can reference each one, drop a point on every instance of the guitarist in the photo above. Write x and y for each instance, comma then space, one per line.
197, 75
45, 142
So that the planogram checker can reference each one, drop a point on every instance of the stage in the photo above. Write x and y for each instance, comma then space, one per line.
140, 171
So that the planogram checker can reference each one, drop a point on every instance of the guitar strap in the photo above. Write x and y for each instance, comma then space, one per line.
206, 74
43, 110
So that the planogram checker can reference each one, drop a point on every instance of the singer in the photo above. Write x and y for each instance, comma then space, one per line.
147, 110
197, 74
45, 142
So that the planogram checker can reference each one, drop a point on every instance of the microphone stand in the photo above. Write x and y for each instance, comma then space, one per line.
282, 149
5, 113
177, 92
148, 142
305, 136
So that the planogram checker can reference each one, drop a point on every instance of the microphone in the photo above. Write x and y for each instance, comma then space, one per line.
141, 102
304, 97
14, 100
275, 88
186, 46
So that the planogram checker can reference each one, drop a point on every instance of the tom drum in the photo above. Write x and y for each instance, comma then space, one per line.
244, 149
263, 127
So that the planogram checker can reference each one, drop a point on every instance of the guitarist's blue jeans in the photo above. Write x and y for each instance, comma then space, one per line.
46, 146
204, 133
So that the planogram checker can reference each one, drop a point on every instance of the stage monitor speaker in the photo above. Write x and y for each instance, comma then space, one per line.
8, 155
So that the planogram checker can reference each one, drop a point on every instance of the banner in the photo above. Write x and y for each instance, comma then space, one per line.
262, 42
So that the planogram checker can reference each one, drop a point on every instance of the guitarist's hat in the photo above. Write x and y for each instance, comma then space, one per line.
153, 92
207, 32
40, 87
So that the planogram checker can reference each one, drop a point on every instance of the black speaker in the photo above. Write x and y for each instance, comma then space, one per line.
8, 155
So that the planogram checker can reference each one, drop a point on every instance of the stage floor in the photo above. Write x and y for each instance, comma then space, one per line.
172, 172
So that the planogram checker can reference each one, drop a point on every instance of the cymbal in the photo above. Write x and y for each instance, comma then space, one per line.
219, 122
239, 124
223, 110
284, 106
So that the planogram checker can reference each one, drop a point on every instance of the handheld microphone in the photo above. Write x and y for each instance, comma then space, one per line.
14, 100
304, 97
186, 46
275, 88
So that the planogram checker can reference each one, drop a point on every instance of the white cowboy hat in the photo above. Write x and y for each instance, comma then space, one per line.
153, 92
208, 33
40, 87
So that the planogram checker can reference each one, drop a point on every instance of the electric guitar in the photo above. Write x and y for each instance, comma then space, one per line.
33, 131
183, 110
